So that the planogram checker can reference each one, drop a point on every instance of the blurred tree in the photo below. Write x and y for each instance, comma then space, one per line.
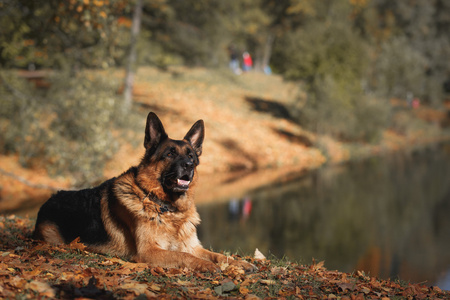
250, 28
284, 16
420, 32
332, 59
399, 69
198, 31
51, 128
131, 64
62, 34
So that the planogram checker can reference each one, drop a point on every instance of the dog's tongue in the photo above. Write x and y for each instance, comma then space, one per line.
183, 183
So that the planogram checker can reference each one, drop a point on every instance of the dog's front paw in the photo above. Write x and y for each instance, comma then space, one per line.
248, 267
206, 266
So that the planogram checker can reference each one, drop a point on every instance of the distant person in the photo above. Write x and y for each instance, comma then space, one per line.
234, 61
247, 61
415, 103
233, 209
246, 208
409, 99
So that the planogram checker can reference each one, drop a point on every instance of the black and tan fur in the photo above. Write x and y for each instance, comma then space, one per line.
146, 214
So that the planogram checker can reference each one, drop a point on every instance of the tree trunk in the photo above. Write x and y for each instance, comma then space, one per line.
268, 50
131, 65
263, 53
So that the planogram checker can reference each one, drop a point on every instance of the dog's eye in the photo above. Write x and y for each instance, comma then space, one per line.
171, 154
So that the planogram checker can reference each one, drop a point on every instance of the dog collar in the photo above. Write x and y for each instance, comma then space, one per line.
163, 206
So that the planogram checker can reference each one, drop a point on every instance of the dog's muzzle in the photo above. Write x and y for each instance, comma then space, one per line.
183, 174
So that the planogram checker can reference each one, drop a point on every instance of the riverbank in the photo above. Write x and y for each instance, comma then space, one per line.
250, 139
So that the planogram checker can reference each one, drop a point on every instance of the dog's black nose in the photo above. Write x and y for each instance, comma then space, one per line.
188, 165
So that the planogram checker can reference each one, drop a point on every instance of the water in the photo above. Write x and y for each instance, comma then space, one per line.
389, 217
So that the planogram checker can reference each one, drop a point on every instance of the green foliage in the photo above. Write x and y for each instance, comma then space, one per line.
322, 49
18, 116
62, 34
332, 60
195, 32
399, 69
406, 123
63, 129
332, 109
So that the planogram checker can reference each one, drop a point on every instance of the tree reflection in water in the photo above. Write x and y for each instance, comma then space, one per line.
387, 216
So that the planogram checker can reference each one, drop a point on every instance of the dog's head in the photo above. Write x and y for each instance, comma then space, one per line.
172, 162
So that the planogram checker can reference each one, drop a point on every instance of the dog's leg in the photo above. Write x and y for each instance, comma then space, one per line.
221, 259
173, 259
49, 232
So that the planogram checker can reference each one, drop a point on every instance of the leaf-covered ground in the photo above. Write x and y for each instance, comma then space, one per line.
31, 269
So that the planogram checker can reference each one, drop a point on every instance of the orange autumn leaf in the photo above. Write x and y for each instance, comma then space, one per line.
42, 288
75, 244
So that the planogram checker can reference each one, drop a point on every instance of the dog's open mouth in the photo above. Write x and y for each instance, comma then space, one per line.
182, 184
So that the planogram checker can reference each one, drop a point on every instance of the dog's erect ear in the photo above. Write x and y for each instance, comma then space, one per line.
195, 136
154, 132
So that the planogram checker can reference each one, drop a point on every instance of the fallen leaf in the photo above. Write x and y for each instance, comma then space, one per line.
436, 289
251, 297
346, 286
42, 288
154, 287
184, 282
75, 244
223, 266
34, 272
225, 288
135, 287
361, 274
17, 282
244, 290
317, 266
278, 270
268, 281
259, 255
117, 260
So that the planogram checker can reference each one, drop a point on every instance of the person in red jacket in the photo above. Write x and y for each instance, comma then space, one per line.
247, 62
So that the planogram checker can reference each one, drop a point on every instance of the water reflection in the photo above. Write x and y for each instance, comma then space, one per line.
388, 217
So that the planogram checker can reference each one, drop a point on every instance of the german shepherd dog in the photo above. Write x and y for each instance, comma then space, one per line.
146, 214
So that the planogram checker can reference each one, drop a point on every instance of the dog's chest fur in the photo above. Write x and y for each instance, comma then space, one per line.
175, 228
176, 231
